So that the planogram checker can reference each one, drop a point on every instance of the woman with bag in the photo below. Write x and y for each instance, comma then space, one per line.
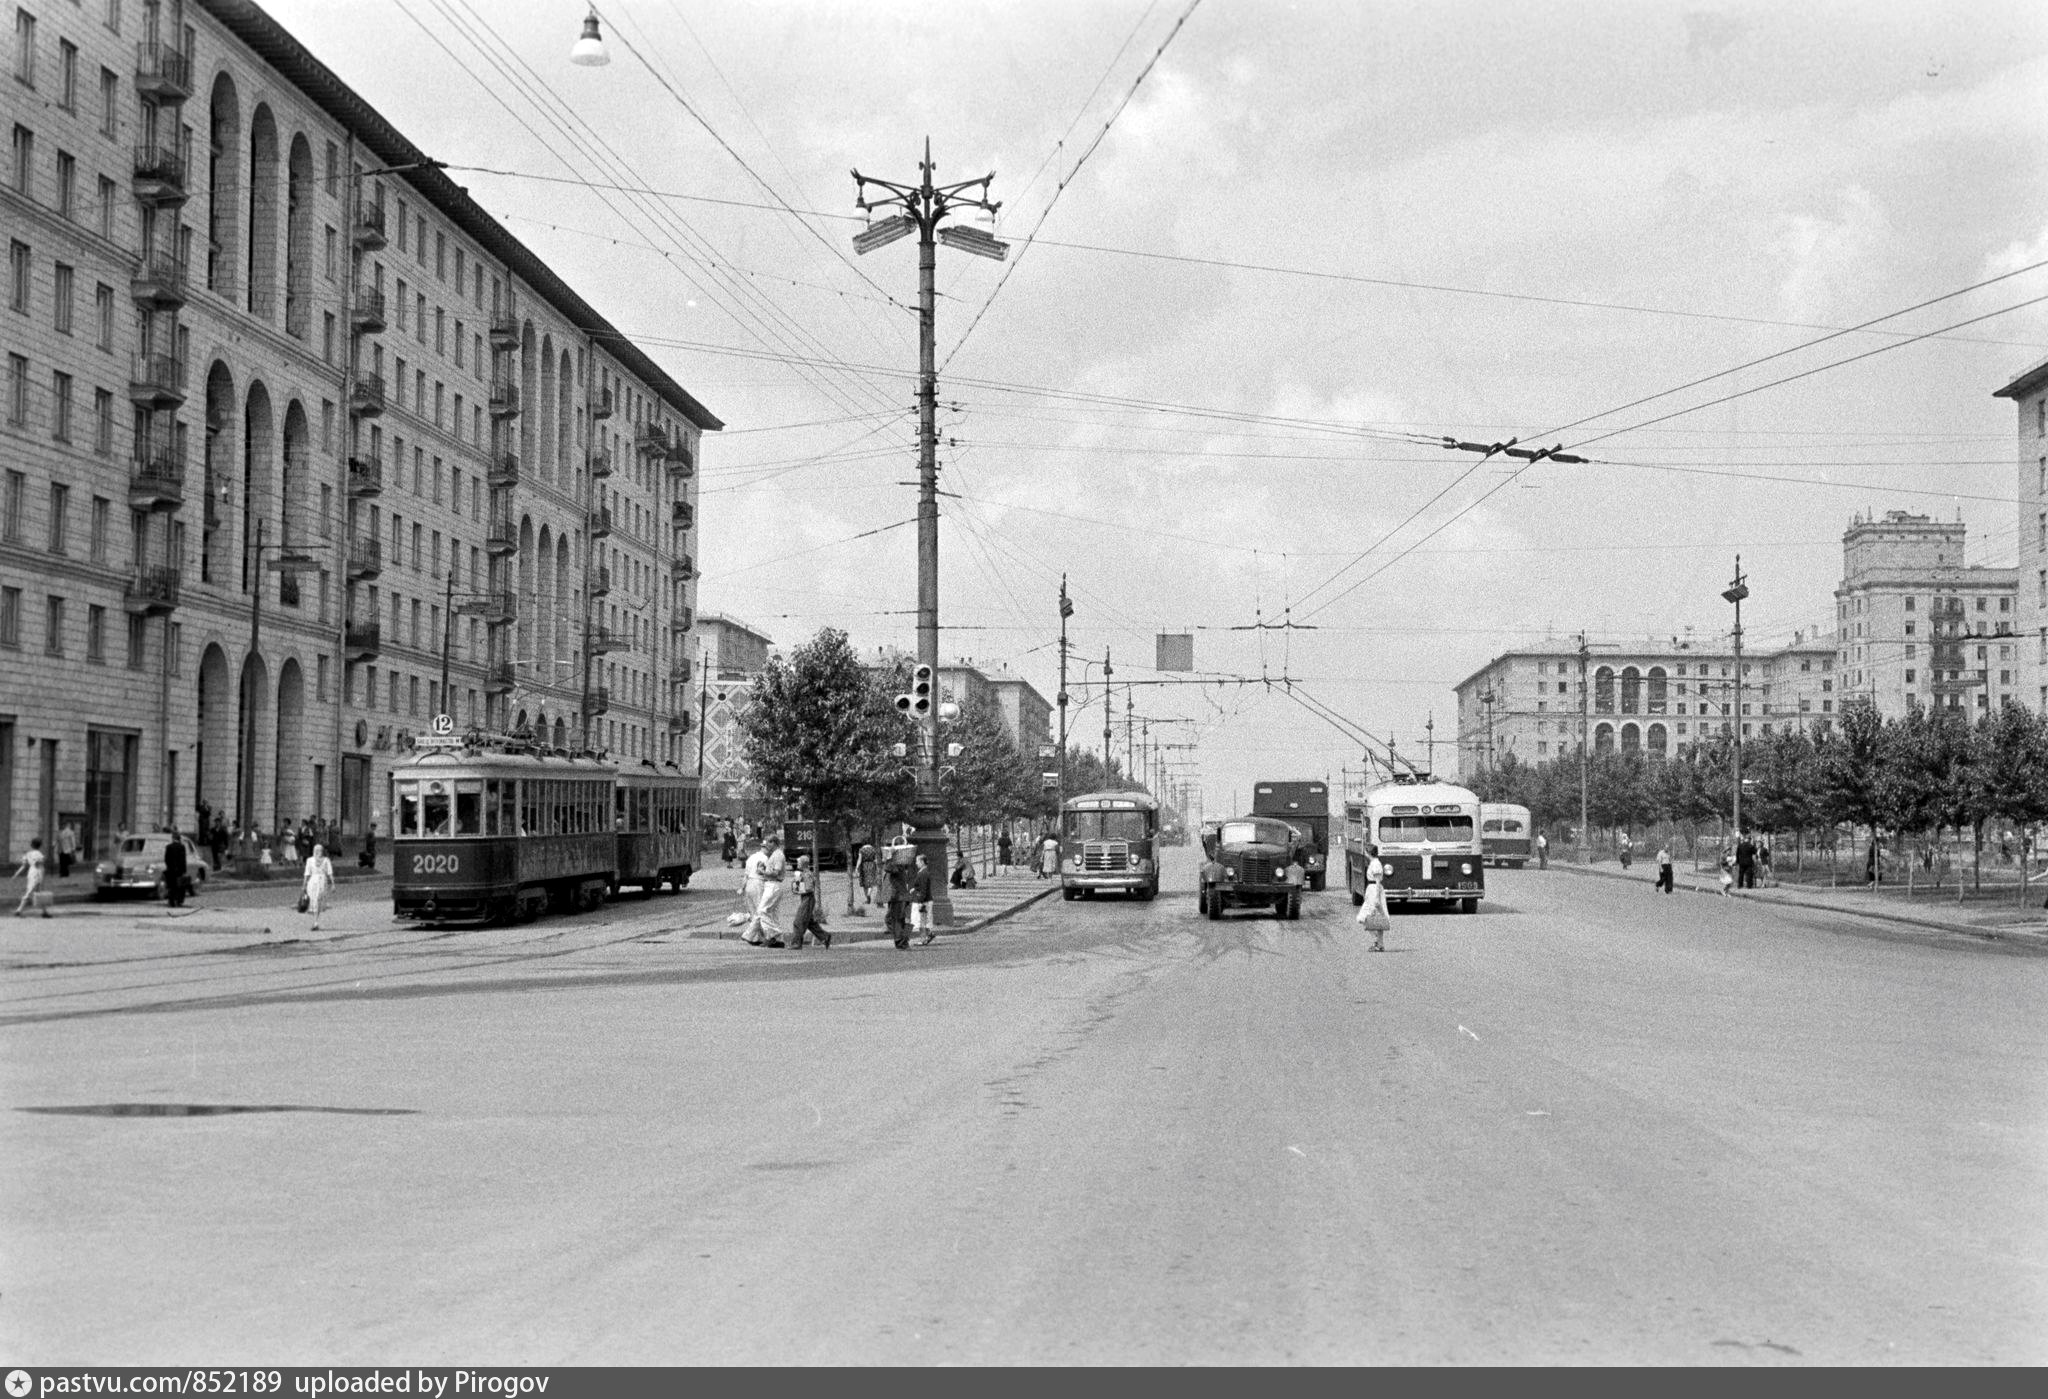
319, 883
1372, 914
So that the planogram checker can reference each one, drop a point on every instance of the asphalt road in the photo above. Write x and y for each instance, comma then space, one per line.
1587, 1124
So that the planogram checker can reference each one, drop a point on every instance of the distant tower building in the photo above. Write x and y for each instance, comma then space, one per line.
2029, 395
1915, 625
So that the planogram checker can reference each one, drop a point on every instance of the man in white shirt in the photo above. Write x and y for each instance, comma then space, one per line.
766, 870
31, 873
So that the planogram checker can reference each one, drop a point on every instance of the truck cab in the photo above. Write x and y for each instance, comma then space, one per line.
1252, 862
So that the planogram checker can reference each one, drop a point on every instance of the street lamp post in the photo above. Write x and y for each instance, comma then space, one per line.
1737, 591
1066, 611
920, 209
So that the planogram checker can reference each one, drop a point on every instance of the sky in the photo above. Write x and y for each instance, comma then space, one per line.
1264, 257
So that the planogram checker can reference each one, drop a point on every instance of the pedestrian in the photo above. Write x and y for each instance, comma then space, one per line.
864, 869
1870, 863
921, 898
319, 883
1763, 858
1373, 913
729, 846
810, 914
177, 877
303, 842
368, 858
1003, 851
897, 918
766, 870
67, 849
217, 840
31, 873
1627, 849
1745, 862
1049, 856
1727, 872
963, 873
1542, 851
1665, 875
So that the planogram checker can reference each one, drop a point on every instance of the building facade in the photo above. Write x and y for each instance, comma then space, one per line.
733, 656
294, 430
1027, 713
2029, 395
1917, 626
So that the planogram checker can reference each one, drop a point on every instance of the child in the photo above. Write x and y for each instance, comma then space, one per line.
1727, 874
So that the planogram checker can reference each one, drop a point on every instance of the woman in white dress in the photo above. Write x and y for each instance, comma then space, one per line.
319, 883
1373, 913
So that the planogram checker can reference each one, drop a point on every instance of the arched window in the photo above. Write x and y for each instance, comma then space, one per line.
1603, 739
1656, 688
1631, 691
1659, 742
265, 198
298, 239
223, 185
1603, 690
1631, 740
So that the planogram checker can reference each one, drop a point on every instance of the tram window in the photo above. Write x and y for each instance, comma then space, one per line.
408, 809
434, 809
469, 808
529, 807
619, 807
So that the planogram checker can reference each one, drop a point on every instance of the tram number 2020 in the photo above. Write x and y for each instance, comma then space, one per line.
436, 864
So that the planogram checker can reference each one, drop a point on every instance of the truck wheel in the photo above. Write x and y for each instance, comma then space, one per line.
1468, 906
1293, 907
1318, 881
1215, 903
1201, 902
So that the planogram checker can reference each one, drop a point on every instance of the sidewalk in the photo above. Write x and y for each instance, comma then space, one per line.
78, 888
995, 898
2002, 923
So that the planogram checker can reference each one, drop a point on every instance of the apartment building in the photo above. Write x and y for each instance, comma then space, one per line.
2029, 395
302, 447
1917, 625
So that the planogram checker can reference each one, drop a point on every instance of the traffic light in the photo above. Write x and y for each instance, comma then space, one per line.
921, 691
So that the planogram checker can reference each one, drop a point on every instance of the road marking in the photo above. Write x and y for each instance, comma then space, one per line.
1463, 1031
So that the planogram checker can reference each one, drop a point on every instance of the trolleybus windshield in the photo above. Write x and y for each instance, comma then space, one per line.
1108, 825
1437, 828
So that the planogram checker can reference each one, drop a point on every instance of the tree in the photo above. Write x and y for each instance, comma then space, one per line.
822, 725
982, 784
2011, 772
1849, 766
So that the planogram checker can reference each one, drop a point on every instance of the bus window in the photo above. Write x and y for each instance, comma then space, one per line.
434, 809
1109, 825
469, 808
408, 823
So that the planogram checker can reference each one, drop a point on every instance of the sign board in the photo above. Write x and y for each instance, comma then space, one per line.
1176, 651
1050, 781
443, 736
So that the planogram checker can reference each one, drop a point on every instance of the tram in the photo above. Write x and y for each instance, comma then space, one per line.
1429, 840
656, 812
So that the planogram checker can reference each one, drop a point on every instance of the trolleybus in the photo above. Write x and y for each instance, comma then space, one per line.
1504, 834
1429, 841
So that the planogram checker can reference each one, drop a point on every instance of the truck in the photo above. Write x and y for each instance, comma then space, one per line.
1306, 806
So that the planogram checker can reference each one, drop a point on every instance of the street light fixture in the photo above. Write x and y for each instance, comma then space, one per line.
589, 51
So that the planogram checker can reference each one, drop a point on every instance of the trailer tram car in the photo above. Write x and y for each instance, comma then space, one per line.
492, 834
1429, 839
656, 813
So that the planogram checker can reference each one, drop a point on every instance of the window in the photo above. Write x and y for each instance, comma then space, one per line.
333, 171
327, 336
53, 626
459, 278
96, 634
18, 274
67, 75
330, 258
441, 255
404, 302
10, 618
102, 511
67, 279
459, 333
60, 406
110, 102
403, 220
110, 200
17, 488
25, 47
60, 517
136, 634
440, 331
67, 185
24, 161
1909, 676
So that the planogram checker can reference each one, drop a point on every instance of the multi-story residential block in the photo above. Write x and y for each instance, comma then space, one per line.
733, 656
2029, 395
1916, 625
302, 448
1027, 712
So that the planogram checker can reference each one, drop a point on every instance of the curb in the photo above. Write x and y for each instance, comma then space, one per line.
1766, 896
877, 932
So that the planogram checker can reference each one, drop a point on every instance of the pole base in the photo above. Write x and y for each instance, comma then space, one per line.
928, 834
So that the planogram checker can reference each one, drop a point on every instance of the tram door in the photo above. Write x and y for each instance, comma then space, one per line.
355, 793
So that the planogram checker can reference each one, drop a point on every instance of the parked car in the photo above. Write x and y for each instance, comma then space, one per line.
138, 867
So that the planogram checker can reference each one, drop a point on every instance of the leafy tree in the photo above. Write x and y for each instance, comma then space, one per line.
1849, 766
982, 784
2011, 771
1779, 779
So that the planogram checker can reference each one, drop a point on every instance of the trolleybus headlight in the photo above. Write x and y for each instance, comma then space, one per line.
1465, 868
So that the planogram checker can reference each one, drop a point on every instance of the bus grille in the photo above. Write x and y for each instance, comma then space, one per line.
1105, 857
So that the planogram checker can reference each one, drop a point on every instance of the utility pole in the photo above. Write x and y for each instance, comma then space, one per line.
703, 712
1131, 769
1737, 591
919, 209
1066, 611
1430, 742
1585, 745
1108, 709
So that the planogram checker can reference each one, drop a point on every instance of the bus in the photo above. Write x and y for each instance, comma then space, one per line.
1429, 840
1306, 806
1109, 841
1504, 834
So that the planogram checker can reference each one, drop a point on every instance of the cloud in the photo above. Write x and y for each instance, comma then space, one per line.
1828, 258
1709, 32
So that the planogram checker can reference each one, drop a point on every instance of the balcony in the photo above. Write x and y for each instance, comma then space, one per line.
501, 538
366, 399
365, 560
369, 227
156, 381
365, 478
600, 464
162, 73
503, 472
600, 582
361, 641
681, 620
159, 479
368, 314
504, 399
495, 608
598, 701
159, 176
651, 439
603, 407
152, 592
683, 515
681, 722
159, 284
604, 641
679, 671
682, 462
499, 678
504, 333
600, 524
682, 568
